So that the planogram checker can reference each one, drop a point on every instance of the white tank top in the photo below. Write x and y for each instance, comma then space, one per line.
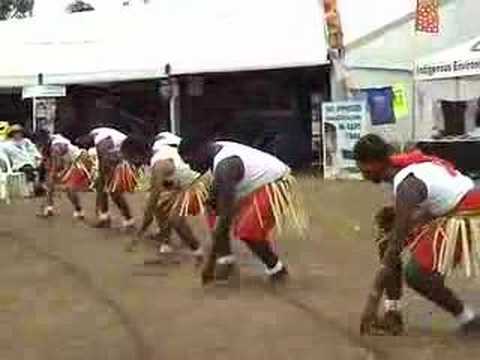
72, 150
183, 173
102, 133
445, 191
260, 168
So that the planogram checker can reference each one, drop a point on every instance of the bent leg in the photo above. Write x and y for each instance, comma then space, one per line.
72, 195
431, 286
101, 200
184, 230
122, 204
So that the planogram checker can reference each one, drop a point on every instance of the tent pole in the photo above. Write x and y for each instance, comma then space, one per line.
175, 107
34, 114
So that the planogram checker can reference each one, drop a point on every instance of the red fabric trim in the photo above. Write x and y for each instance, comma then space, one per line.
417, 157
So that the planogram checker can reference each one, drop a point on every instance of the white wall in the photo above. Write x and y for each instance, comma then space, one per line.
398, 46
358, 19
401, 131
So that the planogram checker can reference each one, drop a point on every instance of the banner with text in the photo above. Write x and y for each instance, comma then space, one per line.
343, 123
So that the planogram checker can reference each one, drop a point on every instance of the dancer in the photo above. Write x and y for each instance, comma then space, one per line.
67, 166
253, 193
115, 175
436, 218
169, 176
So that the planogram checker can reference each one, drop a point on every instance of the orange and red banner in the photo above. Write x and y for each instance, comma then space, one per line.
427, 16
334, 26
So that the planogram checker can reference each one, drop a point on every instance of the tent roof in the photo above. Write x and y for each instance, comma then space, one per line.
458, 61
137, 43
358, 24
248, 35
77, 48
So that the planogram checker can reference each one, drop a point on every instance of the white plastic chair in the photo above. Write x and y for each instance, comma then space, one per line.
4, 161
12, 183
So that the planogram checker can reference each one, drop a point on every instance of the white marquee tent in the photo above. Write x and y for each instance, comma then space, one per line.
137, 43
449, 75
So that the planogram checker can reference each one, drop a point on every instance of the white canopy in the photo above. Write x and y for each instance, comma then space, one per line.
77, 48
248, 35
137, 43
459, 61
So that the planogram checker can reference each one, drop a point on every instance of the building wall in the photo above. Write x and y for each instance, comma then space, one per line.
397, 46
402, 130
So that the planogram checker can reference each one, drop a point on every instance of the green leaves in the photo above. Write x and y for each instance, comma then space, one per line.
15, 9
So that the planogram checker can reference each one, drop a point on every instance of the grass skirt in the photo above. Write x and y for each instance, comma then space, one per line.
78, 176
123, 178
454, 242
191, 200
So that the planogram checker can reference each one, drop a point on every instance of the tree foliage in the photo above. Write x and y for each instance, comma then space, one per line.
79, 6
15, 9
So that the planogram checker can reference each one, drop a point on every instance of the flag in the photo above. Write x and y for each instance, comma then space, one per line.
380, 104
427, 17
333, 24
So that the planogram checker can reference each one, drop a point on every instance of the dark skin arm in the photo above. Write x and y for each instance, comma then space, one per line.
410, 193
227, 175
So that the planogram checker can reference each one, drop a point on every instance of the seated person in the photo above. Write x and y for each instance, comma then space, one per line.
23, 154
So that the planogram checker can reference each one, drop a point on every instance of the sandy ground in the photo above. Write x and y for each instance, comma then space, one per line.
70, 292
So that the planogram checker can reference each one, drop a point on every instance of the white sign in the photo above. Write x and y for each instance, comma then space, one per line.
454, 68
343, 123
44, 91
460, 61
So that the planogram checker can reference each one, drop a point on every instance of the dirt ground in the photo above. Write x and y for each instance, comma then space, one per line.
70, 292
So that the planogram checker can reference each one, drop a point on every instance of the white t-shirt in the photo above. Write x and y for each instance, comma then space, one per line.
102, 133
445, 190
183, 173
260, 167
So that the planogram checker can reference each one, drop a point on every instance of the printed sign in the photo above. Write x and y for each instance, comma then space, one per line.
342, 127
38, 91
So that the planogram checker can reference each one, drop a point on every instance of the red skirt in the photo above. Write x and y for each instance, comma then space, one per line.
76, 178
425, 248
255, 219
76, 175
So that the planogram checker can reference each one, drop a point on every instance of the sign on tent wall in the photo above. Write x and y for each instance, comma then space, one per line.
343, 124
44, 104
